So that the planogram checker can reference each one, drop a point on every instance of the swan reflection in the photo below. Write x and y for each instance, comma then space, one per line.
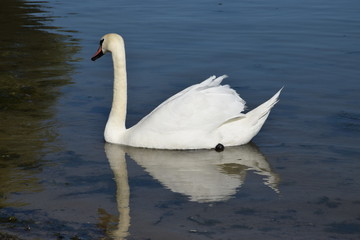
202, 175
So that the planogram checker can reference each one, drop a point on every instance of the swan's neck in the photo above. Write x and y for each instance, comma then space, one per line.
115, 126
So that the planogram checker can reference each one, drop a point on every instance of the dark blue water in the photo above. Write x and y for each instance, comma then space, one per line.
299, 179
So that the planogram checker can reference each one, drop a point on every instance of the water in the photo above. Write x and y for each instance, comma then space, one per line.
297, 180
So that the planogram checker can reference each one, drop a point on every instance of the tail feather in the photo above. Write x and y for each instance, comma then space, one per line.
246, 125
263, 110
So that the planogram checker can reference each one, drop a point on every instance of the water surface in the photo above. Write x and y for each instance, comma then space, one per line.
298, 179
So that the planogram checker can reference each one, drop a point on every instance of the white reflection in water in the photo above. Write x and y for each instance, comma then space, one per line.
116, 157
202, 175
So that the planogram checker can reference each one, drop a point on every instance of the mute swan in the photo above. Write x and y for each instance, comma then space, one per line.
203, 116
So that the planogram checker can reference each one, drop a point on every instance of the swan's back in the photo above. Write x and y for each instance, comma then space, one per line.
201, 106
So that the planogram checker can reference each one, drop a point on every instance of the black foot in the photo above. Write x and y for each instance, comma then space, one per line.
219, 147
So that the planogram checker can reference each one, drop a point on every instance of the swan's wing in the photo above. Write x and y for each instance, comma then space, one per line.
203, 106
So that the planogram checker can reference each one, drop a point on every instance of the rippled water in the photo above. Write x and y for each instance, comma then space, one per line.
298, 179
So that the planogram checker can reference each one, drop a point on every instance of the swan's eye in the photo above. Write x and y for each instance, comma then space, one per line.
101, 42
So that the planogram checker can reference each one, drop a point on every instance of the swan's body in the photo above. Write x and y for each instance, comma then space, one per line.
199, 117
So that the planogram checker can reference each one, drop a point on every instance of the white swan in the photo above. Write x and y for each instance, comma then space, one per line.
202, 116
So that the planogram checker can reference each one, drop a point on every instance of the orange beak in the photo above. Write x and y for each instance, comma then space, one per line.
98, 54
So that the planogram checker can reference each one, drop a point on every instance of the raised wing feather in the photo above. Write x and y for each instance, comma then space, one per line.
203, 106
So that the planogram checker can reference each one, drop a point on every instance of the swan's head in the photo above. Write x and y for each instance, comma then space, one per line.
108, 43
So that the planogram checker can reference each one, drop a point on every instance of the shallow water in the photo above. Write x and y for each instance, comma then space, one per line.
298, 179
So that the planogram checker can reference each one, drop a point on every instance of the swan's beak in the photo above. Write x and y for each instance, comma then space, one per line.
98, 54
